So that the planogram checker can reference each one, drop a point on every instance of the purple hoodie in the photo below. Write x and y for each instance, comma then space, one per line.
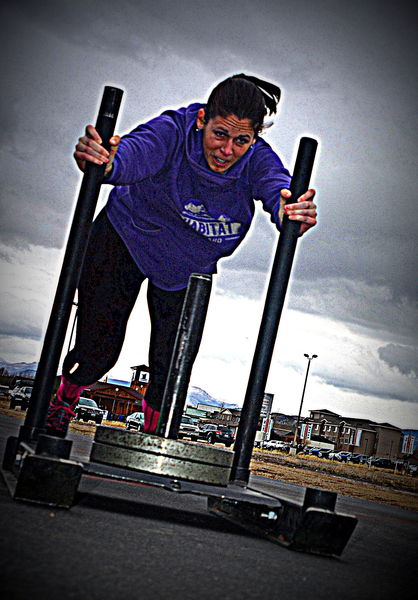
175, 215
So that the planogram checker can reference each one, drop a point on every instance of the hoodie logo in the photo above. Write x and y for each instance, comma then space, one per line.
216, 229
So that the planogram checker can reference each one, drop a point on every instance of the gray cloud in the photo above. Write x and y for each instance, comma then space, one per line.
360, 389
372, 388
345, 70
402, 358
24, 331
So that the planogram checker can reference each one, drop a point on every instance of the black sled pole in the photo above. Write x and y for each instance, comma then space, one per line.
67, 283
189, 334
275, 298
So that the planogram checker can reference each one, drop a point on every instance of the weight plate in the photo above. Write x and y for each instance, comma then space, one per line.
172, 458
158, 445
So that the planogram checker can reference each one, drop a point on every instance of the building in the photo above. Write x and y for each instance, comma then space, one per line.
119, 400
195, 413
283, 427
209, 409
352, 434
140, 378
229, 417
208, 413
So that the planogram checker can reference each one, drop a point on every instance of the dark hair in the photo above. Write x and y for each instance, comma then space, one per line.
244, 96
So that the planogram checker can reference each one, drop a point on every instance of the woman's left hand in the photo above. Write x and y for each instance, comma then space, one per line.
303, 210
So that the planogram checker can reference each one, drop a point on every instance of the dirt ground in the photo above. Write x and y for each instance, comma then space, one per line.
357, 481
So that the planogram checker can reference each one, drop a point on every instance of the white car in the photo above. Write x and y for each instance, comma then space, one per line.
20, 396
283, 446
188, 429
275, 445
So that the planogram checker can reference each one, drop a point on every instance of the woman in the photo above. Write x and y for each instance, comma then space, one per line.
183, 197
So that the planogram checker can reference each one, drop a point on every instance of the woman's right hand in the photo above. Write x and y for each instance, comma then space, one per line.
89, 149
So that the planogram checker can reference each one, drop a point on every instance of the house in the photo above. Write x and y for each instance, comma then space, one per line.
119, 400
229, 417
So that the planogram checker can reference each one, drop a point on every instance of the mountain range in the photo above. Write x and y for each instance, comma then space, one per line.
22, 368
196, 396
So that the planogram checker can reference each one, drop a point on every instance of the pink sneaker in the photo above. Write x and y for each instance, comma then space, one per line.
61, 408
151, 418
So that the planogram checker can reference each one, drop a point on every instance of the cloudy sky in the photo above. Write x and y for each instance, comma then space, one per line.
347, 72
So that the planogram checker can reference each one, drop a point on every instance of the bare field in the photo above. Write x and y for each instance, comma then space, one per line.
357, 481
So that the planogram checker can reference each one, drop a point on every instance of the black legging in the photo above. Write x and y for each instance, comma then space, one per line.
109, 285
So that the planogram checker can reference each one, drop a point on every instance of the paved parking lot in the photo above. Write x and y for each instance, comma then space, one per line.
126, 541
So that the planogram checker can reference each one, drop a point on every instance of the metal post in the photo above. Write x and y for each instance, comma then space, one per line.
303, 395
189, 333
76, 246
271, 316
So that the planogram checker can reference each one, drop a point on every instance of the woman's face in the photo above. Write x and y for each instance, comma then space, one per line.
225, 140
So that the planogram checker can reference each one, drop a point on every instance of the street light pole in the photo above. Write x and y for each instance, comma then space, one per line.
303, 395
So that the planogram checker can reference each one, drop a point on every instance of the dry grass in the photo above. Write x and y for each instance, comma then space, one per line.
358, 481
75, 426
90, 427
364, 473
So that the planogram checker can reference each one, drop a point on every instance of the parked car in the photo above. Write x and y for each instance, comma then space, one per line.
135, 421
23, 382
382, 463
270, 445
87, 410
412, 470
315, 451
277, 445
340, 456
20, 396
320, 452
213, 433
324, 452
283, 446
188, 428
359, 459
311, 450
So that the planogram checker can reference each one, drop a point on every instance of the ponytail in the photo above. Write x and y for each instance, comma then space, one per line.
270, 92
245, 96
